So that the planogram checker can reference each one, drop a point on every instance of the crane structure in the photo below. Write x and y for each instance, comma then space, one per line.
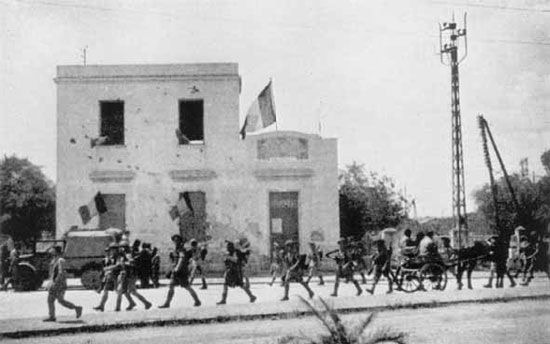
486, 133
449, 37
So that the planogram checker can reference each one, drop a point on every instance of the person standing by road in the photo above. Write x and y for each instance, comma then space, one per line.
57, 285
142, 264
4, 264
180, 272
155, 267
529, 246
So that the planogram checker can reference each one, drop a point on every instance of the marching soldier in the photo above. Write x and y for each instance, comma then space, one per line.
313, 262
180, 272
233, 276
128, 277
345, 270
382, 261
296, 266
276, 269
57, 285
111, 270
13, 270
198, 256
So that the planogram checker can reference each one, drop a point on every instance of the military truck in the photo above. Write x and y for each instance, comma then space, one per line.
83, 251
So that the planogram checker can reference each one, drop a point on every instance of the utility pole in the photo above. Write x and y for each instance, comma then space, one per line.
449, 37
84, 54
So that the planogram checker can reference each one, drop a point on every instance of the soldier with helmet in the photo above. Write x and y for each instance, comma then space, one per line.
180, 272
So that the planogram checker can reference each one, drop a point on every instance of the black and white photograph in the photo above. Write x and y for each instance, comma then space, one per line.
274, 171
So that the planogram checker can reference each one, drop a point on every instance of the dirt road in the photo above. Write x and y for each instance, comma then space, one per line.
510, 322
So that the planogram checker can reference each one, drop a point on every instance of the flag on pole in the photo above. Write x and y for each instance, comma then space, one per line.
96, 206
261, 113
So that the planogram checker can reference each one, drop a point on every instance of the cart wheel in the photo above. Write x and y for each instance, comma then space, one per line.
433, 277
408, 281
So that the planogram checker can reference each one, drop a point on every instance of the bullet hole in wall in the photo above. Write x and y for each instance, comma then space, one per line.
72, 140
119, 161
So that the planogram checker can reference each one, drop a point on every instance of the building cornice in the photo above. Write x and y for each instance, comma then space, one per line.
112, 176
192, 175
140, 78
283, 173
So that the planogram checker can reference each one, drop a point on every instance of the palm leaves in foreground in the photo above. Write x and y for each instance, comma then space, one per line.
338, 333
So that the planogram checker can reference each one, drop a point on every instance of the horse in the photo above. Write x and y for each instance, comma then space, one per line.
467, 258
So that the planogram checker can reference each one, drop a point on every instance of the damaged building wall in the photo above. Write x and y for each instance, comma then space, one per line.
152, 168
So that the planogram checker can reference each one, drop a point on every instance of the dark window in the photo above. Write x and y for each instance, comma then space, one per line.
191, 121
115, 216
112, 122
193, 215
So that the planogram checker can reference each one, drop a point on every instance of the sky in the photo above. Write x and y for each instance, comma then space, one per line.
365, 72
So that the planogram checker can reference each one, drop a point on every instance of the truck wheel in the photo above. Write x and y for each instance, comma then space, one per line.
26, 278
91, 278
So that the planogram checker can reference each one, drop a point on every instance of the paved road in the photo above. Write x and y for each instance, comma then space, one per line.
33, 304
511, 322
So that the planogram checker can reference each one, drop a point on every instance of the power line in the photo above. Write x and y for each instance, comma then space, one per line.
306, 27
487, 6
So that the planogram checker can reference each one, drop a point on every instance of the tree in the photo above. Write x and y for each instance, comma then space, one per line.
367, 202
532, 199
545, 159
27, 199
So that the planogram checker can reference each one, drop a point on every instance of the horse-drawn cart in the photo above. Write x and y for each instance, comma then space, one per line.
420, 273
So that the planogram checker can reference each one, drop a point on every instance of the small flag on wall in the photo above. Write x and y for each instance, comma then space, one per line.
261, 113
182, 207
96, 206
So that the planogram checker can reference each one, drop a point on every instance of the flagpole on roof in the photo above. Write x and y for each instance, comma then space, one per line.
273, 102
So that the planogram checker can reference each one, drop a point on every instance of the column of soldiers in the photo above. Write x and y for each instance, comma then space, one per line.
125, 265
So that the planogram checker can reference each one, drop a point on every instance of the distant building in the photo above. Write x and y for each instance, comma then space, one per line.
116, 129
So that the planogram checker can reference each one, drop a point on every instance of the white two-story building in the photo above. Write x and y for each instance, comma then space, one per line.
117, 136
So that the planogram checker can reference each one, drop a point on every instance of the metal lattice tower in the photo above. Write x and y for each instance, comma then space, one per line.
449, 41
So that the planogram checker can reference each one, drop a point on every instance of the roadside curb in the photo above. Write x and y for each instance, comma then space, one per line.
297, 313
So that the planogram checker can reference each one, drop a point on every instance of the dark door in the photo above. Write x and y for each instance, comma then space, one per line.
283, 217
